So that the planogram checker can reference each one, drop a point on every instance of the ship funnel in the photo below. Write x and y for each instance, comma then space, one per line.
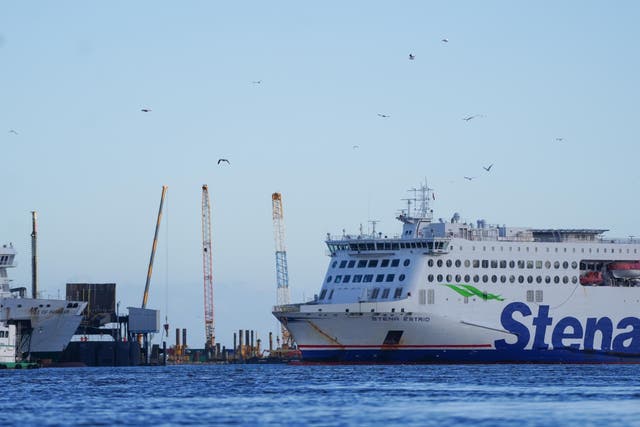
456, 218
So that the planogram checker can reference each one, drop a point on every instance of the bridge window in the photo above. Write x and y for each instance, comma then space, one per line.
373, 263
323, 294
385, 293
329, 279
338, 279
331, 294
343, 264
395, 263
357, 278
390, 277
374, 293
379, 278
362, 263
384, 263
346, 279
351, 264
397, 293
367, 278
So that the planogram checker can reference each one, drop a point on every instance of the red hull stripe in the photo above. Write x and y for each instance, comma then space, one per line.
397, 346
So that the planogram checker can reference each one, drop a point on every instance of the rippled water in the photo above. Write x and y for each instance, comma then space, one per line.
477, 395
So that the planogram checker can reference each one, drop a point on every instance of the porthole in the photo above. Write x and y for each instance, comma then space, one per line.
520, 279
512, 264
556, 279
494, 278
503, 279
439, 263
430, 263
574, 265
485, 278
512, 278
329, 279
430, 277
467, 278
547, 264
538, 279
574, 279
565, 265
449, 278
458, 263
547, 279
565, 279
406, 263
458, 278
401, 277
556, 264
529, 279
439, 277
476, 278
449, 263
334, 264
467, 263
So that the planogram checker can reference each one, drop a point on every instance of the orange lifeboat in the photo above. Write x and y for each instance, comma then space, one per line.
625, 270
591, 278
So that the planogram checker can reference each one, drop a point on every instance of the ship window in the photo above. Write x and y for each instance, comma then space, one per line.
467, 263
395, 246
556, 264
458, 263
458, 278
351, 264
565, 279
397, 293
334, 264
395, 263
374, 293
379, 278
422, 297
390, 277
538, 296
430, 263
439, 263
529, 279
512, 264
476, 263
449, 277
556, 279
329, 279
521, 263
529, 264
384, 263
406, 263
401, 277
362, 263
520, 279
385, 293
449, 263
439, 277
503, 264
485, 278
430, 277
512, 278
529, 296
338, 279
373, 263
357, 278
331, 294
538, 279
538, 264
494, 278
367, 278
547, 279
503, 279
323, 293
347, 278
547, 264
343, 264
574, 279
380, 246
485, 263
476, 278
494, 263
565, 265
467, 278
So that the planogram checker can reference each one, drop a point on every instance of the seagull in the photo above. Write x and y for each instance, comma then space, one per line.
224, 160
466, 119
488, 168
384, 116
13, 132
469, 177
145, 110
559, 139
256, 82
412, 57
445, 40
356, 147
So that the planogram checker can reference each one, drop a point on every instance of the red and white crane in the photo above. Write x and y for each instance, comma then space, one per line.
282, 272
207, 268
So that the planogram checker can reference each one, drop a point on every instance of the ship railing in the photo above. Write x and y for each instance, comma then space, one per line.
287, 308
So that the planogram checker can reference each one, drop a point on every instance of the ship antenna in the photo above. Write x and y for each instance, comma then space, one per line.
373, 226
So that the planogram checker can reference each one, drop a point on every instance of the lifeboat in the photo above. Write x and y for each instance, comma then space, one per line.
625, 270
591, 278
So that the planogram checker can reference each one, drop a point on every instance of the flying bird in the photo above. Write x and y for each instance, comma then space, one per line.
488, 168
256, 82
13, 132
445, 40
412, 57
224, 160
559, 139
145, 110
356, 147
384, 116
466, 119
469, 178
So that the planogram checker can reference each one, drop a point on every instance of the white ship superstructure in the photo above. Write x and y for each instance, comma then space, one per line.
459, 292
44, 327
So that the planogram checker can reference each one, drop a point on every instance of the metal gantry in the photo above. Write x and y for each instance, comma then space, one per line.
282, 272
207, 268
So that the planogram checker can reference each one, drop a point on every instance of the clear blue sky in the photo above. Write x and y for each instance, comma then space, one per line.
74, 76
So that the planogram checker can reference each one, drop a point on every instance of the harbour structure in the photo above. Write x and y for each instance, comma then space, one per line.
207, 271
282, 269
454, 292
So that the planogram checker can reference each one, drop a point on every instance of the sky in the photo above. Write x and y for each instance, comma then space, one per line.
75, 75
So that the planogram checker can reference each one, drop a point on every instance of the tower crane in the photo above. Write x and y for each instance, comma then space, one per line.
282, 272
207, 267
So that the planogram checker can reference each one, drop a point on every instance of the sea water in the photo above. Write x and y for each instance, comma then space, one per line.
292, 395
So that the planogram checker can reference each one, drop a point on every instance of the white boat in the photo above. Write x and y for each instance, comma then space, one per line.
458, 292
7, 344
44, 327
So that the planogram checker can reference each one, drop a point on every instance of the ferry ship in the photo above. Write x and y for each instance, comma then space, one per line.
43, 327
458, 292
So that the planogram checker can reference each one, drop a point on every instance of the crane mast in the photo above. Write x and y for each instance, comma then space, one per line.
282, 273
207, 267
